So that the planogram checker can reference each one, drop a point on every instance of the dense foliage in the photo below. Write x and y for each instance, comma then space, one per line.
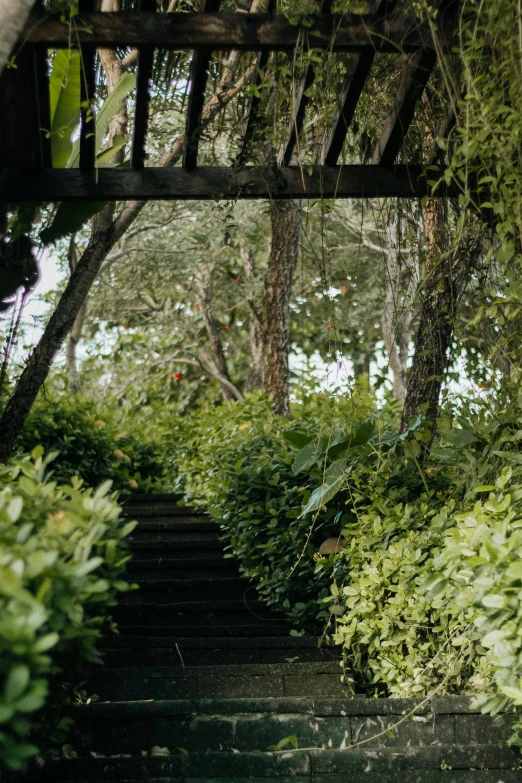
91, 444
62, 555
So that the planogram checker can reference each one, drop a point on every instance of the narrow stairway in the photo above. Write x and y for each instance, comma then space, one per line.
203, 681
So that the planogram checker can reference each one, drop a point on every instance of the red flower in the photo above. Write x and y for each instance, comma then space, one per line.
177, 376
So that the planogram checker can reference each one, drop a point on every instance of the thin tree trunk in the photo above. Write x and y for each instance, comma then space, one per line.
255, 330
276, 306
397, 316
80, 282
105, 234
436, 321
214, 335
13, 16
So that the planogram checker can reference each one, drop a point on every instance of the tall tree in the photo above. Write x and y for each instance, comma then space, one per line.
439, 294
284, 253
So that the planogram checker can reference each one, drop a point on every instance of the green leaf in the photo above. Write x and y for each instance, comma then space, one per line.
16, 683
297, 439
65, 91
284, 742
308, 455
110, 107
105, 155
322, 495
69, 218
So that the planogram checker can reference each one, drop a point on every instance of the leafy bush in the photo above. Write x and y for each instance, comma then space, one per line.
237, 462
62, 553
90, 445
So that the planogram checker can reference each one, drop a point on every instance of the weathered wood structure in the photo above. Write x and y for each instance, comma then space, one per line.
26, 172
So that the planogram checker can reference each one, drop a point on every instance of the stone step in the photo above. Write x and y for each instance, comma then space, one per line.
433, 764
158, 509
195, 631
259, 724
161, 555
123, 650
174, 612
157, 592
207, 682
183, 653
204, 544
177, 524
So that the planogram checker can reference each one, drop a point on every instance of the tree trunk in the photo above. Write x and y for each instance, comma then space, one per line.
255, 331
436, 321
104, 237
276, 306
13, 16
214, 335
397, 314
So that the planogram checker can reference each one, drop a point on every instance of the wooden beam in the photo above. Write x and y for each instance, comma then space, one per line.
413, 83
352, 87
399, 119
196, 99
20, 134
87, 90
177, 183
141, 112
43, 104
299, 108
247, 32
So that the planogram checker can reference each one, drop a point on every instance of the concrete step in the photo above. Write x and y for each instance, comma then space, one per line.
208, 682
161, 591
124, 650
401, 765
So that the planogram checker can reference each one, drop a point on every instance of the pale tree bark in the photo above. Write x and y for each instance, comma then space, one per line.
104, 236
204, 288
13, 16
255, 329
74, 336
284, 252
397, 316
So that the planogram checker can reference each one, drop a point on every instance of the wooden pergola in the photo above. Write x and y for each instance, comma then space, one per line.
26, 172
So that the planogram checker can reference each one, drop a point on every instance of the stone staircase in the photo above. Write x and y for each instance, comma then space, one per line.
203, 682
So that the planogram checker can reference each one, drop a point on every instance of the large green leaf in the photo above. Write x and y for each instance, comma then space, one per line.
322, 495
69, 218
104, 115
64, 85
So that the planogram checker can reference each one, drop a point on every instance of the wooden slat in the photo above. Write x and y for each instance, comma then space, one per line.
300, 103
413, 84
246, 32
87, 84
218, 182
399, 119
352, 87
141, 112
253, 111
43, 104
20, 135
196, 100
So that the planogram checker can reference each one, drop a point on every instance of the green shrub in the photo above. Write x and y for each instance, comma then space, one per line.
237, 462
90, 444
62, 554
